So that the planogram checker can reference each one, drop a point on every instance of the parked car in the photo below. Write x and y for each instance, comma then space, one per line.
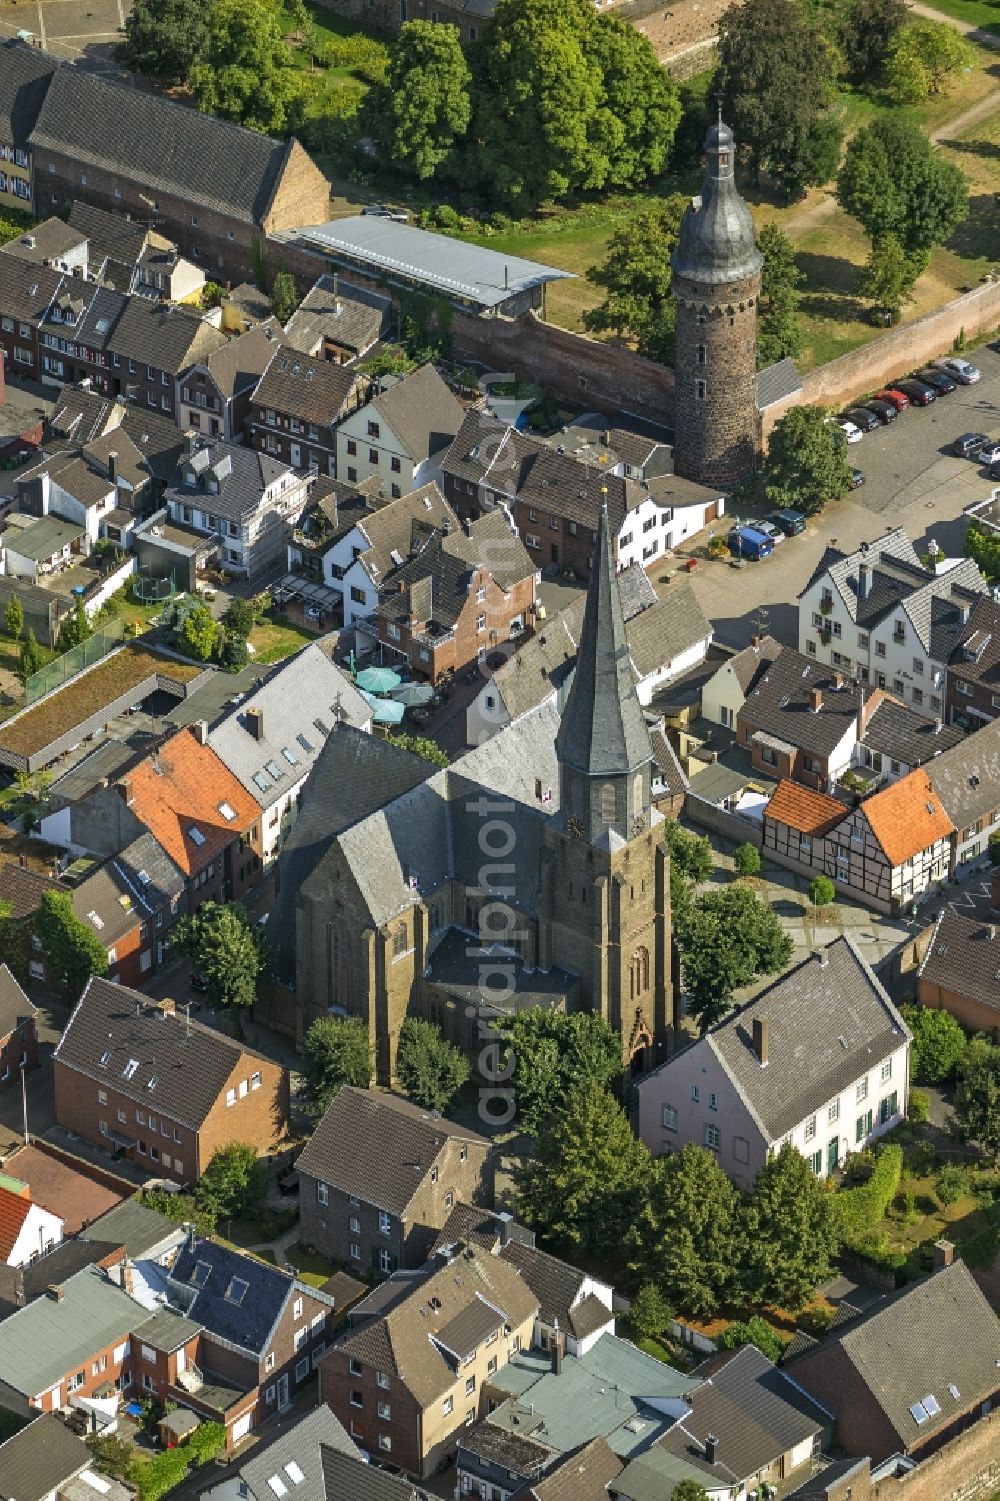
960, 370
770, 530
919, 392
862, 418
989, 454
749, 542
386, 211
857, 478
939, 379
884, 410
969, 445
898, 399
851, 431
790, 522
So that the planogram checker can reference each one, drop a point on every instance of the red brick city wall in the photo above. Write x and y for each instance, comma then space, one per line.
967, 1469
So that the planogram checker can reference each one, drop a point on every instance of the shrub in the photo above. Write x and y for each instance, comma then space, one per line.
908, 1211
650, 1312
938, 1044
753, 1332
862, 1208
951, 1183
207, 1440
154, 1477
821, 891
919, 1107
994, 848
922, 1159
746, 860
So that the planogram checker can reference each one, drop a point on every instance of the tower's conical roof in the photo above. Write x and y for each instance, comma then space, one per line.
603, 731
717, 243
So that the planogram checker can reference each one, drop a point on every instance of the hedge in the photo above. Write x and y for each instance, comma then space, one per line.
862, 1208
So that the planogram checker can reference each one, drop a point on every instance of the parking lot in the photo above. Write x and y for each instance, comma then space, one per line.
911, 480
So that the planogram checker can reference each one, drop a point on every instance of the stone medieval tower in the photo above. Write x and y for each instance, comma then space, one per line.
605, 891
716, 284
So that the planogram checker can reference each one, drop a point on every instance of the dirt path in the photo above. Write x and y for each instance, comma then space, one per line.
974, 34
972, 116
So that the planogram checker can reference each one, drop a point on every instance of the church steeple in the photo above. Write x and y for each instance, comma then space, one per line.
603, 744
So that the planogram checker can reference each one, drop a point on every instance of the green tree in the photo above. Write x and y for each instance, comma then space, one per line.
977, 1097
791, 1232
226, 950
580, 1186
641, 98
420, 745
684, 1231
779, 332
938, 1044
649, 1312
284, 297
15, 943
636, 277
894, 182
690, 853
112, 1455
755, 1331
71, 950
234, 1184
165, 38
199, 634
726, 939
31, 657
817, 156
889, 274
923, 60
554, 1054
822, 891
75, 629
867, 31
807, 461
426, 106
431, 1069
335, 1052
777, 73
689, 1489
240, 617
13, 617
746, 860
245, 71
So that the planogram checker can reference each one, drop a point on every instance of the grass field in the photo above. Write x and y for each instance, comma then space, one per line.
982, 13
274, 639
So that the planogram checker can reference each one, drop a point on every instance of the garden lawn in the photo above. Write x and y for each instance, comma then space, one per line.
985, 14
966, 1222
273, 639
312, 1268
133, 611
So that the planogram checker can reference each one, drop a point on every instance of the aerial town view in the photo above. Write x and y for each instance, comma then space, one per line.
500, 750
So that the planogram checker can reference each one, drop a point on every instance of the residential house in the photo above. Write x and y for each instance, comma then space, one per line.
26, 291
338, 321
802, 721
967, 780
456, 599
366, 545
555, 500
298, 404
116, 916
818, 1059
33, 550
27, 1231
379, 1176
215, 393
93, 138
52, 243
18, 1016
151, 346
588, 1471
114, 242
960, 972
747, 1425
879, 615
409, 1376
133, 1076
840, 1480
725, 692
66, 487
271, 740
972, 674
401, 435
574, 1309
666, 637
889, 850
637, 456
46, 1460
245, 499
262, 1332
164, 275
898, 740
918, 1368
24, 78
244, 306
67, 1185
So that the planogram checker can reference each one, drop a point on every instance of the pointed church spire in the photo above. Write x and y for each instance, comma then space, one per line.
603, 744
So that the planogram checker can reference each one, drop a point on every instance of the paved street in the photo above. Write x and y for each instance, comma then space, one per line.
910, 481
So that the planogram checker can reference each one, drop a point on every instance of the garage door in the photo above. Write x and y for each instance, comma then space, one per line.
242, 1427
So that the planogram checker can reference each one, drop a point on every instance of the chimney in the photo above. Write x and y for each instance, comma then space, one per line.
761, 1038
126, 788
55, 1292
944, 1254
44, 484
838, 681
506, 1227
128, 1277
557, 1349
938, 724
864, 580
755, 642
201, 731
113, 467
190, 442
166, 1007
255, 723
711, 1449
993, 931
816, 699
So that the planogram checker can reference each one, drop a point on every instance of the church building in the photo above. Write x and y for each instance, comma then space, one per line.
531, 872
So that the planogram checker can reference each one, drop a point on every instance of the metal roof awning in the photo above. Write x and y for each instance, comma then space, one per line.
295, 586
761, 737
126, 1142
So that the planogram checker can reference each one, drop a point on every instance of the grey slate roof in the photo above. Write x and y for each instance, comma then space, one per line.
14, 1004
303, 1445
189, 1061
421, 411
166, 1330
334, 309
826, 1484
306, 688
25, 74
672, 774
933, 1335
470, 1327
776, 382
248, 1322
26, 291
159, 440
135, 1226
975, 656
348, 1479
40, 1343
435, 583
749, 664
809, 1010
963, 956
238, 364
377, 1147
390, 528
36, 1461
50, 239
557, 1286
44, 537
584, 1474
932, 601
314, 390
967, 777
780, 703
109, 235
899, 732
667, 629
455, 967
240, 492
168, 338
716, 243
149, 872
603, 731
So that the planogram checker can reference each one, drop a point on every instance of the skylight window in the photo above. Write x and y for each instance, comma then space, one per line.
153, 1082
278, 1486
321, 726
130, 1068
144, 877
294, 1473
289, 756
931, 1405
275, 770
261, 781
228, 811
96, 919
918, 1412
202, 1272
305, 744
196, 836
105, 1057
954, 1390
237, 1290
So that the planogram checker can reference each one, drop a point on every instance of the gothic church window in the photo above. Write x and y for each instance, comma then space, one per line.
609, 802
639, 972
398, 941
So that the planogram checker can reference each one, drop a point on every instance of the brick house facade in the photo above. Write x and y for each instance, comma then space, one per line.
972, 674
18, 1031
297, 406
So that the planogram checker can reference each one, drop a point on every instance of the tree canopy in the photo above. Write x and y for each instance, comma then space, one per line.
226, 949
779, 333
938, 1044
889, 274
164, 38
71, 950
234, 1184
923, 59
807, 462
13, 617
867, 31
636, 277
977, 1097
426, 107
726, 939
684, 1230
553, 1054
75, 629
284, 297
431, 1069
245, 73
895, 183
792, 1232
335, 1052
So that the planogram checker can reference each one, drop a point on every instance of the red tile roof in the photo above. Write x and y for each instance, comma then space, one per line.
14, 1210
800, 808
183, 787
907, 817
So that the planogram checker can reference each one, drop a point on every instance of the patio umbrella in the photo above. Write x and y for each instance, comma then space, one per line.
385, 710
413, 694
378, 679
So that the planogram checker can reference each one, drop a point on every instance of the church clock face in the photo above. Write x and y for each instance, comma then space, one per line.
574, 828
639, 824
